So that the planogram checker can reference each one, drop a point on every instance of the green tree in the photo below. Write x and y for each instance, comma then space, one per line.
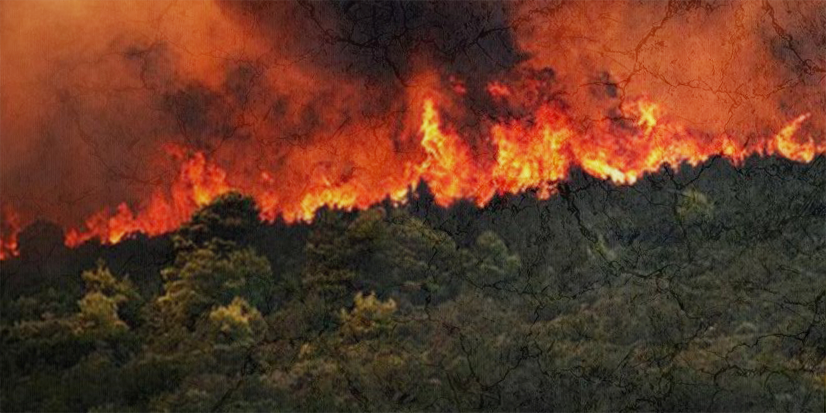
228, 222
207, 325
205, 279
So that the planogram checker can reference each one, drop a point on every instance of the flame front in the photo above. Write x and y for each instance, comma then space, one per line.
198, 183
527, 155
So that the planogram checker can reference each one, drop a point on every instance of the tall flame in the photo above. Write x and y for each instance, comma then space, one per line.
527, 155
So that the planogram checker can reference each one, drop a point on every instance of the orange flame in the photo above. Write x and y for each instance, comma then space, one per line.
527, 155
498, 90
198, 184
539, 155
10, 226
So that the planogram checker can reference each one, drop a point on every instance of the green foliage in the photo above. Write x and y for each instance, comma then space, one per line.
102, 286
99, 315
368, 316
227, 222
236, 324
206, 278
694, 204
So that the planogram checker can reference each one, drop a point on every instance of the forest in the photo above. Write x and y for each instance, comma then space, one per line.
699, 289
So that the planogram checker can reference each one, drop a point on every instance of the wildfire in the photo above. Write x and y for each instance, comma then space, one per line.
527, 155
543, 153
10, 226
198, 183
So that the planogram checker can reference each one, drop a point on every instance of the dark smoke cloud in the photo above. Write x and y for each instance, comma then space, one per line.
384, 41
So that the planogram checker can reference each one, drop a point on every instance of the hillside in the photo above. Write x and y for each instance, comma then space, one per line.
698, 289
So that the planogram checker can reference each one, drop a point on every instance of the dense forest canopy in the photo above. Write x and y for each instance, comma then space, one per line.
697, 289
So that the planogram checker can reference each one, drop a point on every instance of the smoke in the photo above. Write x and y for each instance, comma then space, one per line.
302, 94
82, 122
742, 68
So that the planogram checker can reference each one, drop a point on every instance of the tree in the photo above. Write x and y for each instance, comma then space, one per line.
205, 279
204, 328
228, 222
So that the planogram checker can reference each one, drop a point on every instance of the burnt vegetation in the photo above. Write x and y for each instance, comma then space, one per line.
699, 289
